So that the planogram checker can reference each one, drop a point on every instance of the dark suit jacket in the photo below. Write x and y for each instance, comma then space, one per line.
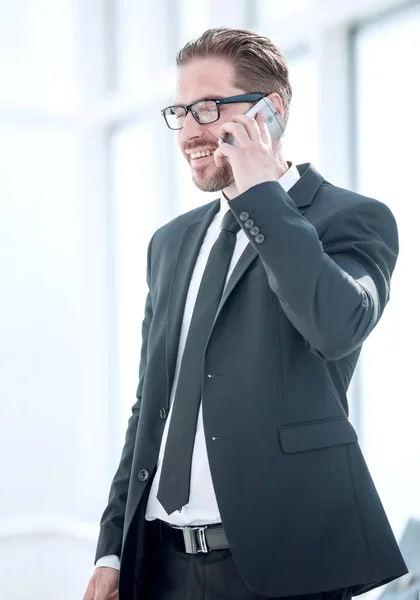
296, 499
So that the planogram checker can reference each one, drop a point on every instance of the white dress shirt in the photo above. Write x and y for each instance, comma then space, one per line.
202, 508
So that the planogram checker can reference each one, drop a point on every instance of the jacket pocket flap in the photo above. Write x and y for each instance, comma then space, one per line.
316, 434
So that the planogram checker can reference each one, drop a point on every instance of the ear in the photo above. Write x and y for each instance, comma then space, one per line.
278, 103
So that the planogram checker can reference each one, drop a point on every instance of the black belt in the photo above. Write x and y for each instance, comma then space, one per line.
192, 540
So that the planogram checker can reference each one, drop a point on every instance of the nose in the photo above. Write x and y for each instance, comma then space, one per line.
191, 129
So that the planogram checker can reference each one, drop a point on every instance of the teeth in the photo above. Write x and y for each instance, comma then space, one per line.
202, 154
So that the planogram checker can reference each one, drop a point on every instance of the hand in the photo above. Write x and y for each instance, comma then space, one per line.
253, 159
103, 585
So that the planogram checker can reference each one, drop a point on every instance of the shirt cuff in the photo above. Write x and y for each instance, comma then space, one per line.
112, 561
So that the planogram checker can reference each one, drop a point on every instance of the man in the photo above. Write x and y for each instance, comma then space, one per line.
241, 476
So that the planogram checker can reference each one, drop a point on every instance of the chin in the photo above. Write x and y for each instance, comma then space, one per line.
218, 180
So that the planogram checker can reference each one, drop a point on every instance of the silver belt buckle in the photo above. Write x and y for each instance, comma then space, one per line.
195, 543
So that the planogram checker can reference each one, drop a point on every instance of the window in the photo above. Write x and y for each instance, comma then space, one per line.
132, 225
41, 320
139, 44
387, 54
278, 10
37, 54
300, 139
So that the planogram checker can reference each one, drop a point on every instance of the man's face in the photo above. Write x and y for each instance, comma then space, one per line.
206, 79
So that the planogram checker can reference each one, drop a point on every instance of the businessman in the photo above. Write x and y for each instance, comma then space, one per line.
241, 476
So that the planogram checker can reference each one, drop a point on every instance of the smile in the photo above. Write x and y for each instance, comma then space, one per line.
200, 155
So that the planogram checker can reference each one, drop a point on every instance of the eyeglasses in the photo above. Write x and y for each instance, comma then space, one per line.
203, 111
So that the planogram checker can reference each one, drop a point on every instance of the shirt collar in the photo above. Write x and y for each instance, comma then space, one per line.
287, 181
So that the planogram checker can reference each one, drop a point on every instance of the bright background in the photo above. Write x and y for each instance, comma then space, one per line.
88, 171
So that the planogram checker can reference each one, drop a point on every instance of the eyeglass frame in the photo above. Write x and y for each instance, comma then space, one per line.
254, 97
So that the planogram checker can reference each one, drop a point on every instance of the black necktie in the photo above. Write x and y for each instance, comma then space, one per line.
174, 484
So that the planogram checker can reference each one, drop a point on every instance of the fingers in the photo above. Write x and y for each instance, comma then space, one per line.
263, 127
251, 126
246, 129
243, 129
238, 130
102, 588
223, 152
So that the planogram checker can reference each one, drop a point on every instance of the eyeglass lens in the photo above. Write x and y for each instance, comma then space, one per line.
204, 111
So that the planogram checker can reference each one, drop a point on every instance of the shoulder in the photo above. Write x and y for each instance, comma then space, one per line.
326, 201
357, 217
339, 202
337, 211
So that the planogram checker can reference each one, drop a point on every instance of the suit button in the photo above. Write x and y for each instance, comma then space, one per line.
249, 223
254, 230
259, 238
162, 413
244, 216
143, 475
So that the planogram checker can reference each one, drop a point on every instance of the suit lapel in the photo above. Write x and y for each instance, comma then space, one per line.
304, 190
184, 266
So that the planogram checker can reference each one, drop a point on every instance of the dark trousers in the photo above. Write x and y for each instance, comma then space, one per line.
174, 575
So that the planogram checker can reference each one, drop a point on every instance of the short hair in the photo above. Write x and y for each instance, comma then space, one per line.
258, 64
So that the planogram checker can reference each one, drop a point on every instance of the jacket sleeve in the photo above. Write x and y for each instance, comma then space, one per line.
334, 289
112, 521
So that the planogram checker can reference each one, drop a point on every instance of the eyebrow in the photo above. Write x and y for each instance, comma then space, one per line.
207, 97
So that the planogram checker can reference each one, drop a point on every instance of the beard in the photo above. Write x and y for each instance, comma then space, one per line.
213, 179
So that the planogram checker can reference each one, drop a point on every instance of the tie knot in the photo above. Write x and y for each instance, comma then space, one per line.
230, 223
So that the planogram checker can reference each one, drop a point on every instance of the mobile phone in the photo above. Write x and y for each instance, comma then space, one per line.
274, 121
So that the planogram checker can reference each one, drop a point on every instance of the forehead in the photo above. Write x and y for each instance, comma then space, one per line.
205, 78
